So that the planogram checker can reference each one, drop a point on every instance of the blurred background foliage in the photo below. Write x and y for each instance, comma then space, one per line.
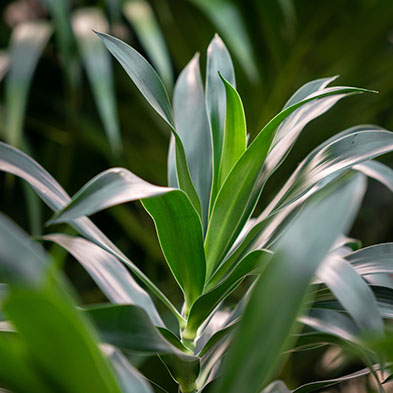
67, 103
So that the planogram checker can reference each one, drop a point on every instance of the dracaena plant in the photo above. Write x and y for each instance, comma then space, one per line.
305, 284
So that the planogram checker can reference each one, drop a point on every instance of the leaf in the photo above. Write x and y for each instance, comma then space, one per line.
180, 234
218, 60
178, 225
27, 42
235, 132
130, 380
108, 273
238, 195
326, 163
16, 371
56, 335
206, 303
313, 386
141, 17
109, 188
227, 18
276, 387
372, 260
98, 67
60, 13
47, 188
193, 128
128, 327
150, 85
352, 292
378, 171
264, 332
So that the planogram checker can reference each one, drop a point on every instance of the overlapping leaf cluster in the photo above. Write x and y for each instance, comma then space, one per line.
300, 265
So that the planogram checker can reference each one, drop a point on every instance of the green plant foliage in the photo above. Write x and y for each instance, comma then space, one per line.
299, 286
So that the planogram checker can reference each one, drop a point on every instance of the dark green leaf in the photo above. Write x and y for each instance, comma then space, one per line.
235, 132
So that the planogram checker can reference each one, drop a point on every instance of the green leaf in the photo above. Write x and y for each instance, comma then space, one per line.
277, 298
130, 380
27, 42
235, 132
218, 60
205, 304
240, 192
180, 234
47, 188
193, 127
17, 372
129, 327
109, 188
56, 335
178, 225
150, 85
352, 292
108, 273
141, 17
142, 74
98, 67
276, 387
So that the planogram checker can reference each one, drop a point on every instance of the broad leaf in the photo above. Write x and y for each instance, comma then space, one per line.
192, 126
178, 225
378, 171
279, 293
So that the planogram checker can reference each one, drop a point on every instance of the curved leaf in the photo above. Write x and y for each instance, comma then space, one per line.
128, 327
47, 188
372, 260
378, 171
352, 292
150, 85
278, 296
141, 16
178, 225
109, 274
109, 188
